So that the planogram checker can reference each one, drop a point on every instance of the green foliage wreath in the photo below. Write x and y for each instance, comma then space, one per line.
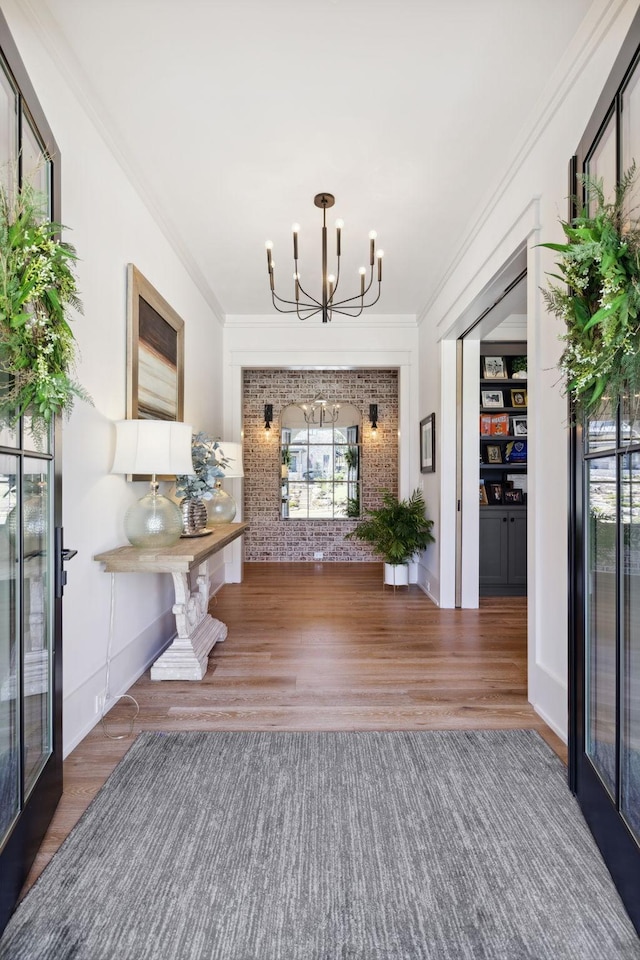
600, 263
37, 288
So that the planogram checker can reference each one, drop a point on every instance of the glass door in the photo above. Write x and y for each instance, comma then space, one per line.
604, 745
31, 553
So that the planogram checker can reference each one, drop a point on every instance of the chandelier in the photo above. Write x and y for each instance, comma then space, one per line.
318, 413
304, 305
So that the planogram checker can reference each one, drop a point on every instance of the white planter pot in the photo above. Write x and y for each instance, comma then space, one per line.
397, 574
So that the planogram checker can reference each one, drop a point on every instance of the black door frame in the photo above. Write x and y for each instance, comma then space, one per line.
617, 845
22, 844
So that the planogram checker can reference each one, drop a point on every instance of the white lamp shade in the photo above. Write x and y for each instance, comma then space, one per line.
233, 453
153, 446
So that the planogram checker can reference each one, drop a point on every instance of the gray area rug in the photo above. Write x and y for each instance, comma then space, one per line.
328, 846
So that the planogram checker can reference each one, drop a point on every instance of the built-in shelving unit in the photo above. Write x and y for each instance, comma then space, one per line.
503, 468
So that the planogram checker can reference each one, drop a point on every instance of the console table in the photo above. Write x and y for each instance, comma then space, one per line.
196, 630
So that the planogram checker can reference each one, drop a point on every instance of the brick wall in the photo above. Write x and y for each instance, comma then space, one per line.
269, 536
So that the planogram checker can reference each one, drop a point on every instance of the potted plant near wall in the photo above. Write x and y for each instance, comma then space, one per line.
397, 531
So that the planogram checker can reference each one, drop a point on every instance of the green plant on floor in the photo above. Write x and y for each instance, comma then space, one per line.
397, 530
37, 290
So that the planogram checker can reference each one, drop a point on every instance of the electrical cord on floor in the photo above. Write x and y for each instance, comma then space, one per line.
124, 696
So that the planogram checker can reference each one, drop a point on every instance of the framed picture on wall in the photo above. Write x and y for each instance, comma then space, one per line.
428, 444
155, 353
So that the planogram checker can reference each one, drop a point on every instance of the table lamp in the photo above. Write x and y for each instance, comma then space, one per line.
153, 447
222, 507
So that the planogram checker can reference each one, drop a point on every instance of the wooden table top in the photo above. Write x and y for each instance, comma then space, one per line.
179, 558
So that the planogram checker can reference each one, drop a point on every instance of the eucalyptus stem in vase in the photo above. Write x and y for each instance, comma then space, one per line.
209, 463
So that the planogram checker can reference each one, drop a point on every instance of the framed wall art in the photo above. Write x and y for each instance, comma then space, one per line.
155, 353
428, 444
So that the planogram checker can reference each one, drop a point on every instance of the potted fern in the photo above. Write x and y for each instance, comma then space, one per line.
397, 531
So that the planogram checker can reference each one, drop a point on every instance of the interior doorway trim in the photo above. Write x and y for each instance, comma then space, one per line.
515, 251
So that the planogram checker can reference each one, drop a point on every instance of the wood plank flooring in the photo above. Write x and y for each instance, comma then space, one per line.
326, 647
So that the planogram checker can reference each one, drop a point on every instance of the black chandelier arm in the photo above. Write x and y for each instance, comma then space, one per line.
354, 306
300, 316
308, 307
307, 295
294, 303
295, 308
361, 296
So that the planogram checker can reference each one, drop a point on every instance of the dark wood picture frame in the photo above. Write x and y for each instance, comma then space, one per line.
428, 444
495, 492
155, 353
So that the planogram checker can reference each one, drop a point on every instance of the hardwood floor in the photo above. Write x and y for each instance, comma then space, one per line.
326, 647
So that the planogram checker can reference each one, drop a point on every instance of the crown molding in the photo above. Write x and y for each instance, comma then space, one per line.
278, 321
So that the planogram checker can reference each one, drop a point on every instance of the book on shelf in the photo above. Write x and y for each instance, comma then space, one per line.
499, 424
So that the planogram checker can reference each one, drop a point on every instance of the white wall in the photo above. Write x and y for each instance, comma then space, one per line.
111, 227
523, 210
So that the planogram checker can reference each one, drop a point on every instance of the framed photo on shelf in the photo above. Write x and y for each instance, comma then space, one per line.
494, 368
494, 492
519, 426
484, 500
492, 398
493, 453
518, 398
513, 496
428, 444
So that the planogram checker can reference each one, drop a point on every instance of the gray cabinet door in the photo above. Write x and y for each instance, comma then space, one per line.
493, 547
517, 536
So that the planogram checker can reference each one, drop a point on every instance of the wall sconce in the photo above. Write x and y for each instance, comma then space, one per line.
268, 416
373, 418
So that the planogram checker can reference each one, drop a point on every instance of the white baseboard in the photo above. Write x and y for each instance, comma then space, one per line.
550, 723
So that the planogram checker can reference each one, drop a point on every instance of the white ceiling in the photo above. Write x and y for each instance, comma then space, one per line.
232, 114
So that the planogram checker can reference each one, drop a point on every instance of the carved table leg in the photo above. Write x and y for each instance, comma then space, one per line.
197, 631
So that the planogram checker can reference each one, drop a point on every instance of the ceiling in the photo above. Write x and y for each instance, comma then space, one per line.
230, 115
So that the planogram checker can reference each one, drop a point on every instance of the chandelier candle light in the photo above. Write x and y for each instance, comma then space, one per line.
304, 305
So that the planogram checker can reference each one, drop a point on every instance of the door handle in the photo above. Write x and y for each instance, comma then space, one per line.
61, 555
